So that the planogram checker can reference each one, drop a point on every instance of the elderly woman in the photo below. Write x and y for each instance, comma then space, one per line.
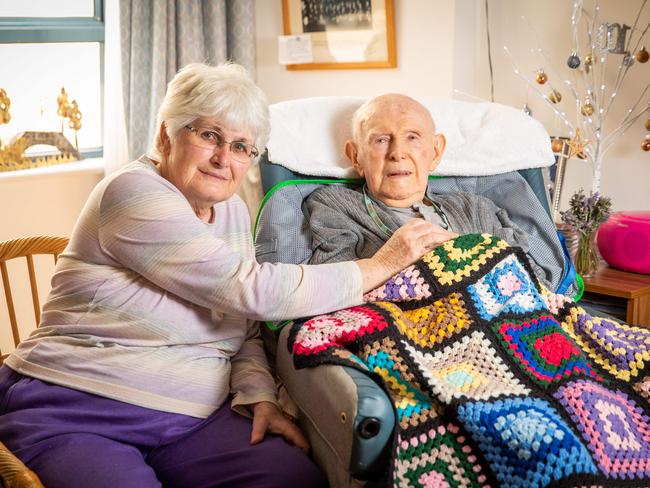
147, 365
394, 147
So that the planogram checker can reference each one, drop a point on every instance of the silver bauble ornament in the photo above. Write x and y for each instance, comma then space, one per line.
574, 61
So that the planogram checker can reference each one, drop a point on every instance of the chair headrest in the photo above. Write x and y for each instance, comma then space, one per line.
308, 136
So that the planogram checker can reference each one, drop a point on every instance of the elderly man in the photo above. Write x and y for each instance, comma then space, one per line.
394, 146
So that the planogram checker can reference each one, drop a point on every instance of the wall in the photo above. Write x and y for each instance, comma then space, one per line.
421, 31
442, 46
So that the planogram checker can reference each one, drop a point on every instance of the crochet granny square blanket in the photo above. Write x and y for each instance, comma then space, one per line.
495, 381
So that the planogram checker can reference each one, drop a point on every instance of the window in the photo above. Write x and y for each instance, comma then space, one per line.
46, 45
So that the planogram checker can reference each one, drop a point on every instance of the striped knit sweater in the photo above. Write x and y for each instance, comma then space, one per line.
153, 307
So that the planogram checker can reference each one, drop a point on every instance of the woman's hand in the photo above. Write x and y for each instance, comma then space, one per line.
405, 246
267, 417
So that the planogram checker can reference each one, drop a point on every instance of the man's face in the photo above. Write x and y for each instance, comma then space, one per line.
395, 149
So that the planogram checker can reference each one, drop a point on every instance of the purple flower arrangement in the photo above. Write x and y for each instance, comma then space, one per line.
586, 213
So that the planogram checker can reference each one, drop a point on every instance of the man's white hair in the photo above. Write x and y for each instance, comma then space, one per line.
225, 92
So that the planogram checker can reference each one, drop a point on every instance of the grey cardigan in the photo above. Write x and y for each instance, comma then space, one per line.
342, 229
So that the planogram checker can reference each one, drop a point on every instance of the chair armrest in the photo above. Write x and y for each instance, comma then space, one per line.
348, 418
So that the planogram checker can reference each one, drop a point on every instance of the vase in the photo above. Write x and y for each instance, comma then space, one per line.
586, 258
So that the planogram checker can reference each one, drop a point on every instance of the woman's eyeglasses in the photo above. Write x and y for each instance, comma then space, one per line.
213, 139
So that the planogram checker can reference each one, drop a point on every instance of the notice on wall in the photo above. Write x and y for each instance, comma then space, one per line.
295, 49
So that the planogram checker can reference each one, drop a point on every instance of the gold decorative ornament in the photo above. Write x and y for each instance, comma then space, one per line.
556, 145
75, 120
74, 114
12, 156
577, 146
587, 108
647, 124
63, 105
5, 103
642, 56
645, 144
555, 96
589, 61
541, 77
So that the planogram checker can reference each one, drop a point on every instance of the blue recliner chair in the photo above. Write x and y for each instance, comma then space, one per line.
348, 418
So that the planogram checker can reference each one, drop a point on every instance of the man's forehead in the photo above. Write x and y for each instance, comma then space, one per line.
385, 113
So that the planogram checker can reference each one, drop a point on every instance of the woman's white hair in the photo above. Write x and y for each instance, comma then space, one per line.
225, 92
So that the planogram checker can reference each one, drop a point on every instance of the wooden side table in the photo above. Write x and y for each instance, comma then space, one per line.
633, 288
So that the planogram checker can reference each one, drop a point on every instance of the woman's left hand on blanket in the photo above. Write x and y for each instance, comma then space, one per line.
267, 417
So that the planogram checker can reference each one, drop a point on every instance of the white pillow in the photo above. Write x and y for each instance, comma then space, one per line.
308, 135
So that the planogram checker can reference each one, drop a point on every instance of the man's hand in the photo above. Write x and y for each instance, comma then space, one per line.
268, 418
414, 239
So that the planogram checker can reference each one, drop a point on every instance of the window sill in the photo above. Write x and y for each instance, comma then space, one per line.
91, 165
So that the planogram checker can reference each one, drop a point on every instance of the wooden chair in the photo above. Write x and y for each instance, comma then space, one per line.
13, 473
26, 247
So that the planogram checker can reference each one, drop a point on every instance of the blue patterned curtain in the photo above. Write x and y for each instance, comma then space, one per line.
158, 37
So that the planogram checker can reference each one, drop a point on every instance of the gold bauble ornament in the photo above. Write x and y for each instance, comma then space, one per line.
541, 77
556, 145
555, 97
647, 124
645, 144
642, 56
589, 61
587, 109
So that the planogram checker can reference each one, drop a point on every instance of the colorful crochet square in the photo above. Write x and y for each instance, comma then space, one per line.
620, 349
614, 427
460, 257
413, 407
469, 368
526, 441
404, 286
442, 319
507, 288
336, 329
439, 457
543, 350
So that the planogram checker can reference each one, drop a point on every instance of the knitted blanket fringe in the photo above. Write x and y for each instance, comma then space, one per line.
495, 381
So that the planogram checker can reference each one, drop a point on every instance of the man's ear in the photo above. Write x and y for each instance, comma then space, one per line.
352, 153
164, 140
439, 144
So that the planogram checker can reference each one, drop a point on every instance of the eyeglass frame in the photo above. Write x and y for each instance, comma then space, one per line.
254, 152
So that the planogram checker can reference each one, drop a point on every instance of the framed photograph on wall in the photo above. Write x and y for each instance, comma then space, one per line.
344, 34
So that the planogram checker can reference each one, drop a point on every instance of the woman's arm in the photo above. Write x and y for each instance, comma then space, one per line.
147, 226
